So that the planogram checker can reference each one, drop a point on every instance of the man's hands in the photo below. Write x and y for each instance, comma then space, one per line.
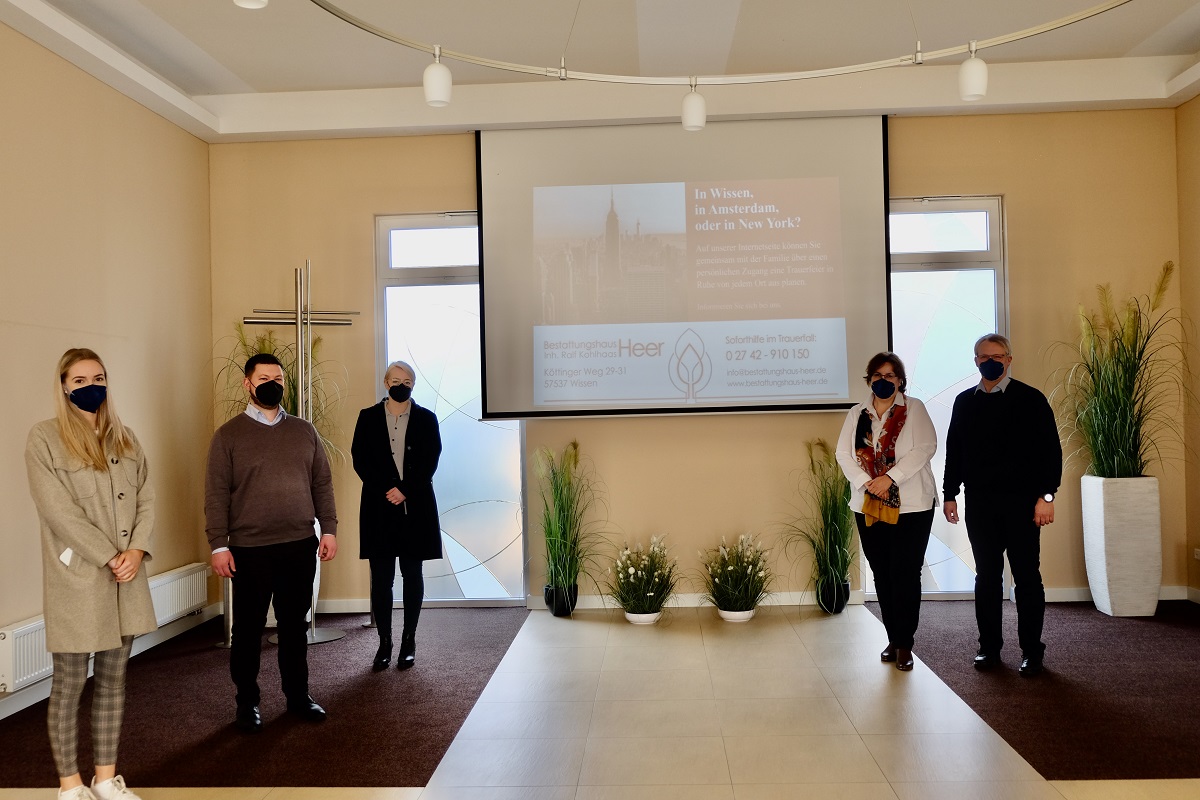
222, 564
125, 565
328, 548
395, 496
1043, 512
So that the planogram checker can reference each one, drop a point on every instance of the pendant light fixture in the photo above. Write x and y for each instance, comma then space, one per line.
437, 81
972, 77
695, 110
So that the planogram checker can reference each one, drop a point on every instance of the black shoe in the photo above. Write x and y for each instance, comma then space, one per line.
1030, 667
408, 652
306, 709
383, 656
986, 660
248, 719
889, 653
904, 660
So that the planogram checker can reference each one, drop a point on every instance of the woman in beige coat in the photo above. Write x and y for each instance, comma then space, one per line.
87, 475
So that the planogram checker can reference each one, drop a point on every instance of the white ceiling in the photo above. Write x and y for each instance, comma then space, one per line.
293, 70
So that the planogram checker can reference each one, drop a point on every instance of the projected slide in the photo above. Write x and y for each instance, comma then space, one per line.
695, 292
641, 269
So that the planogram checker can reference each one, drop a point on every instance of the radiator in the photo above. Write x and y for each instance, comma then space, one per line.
179, 592
23, 656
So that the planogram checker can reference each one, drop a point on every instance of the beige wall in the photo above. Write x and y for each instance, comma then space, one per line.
108, 243
1187, 134
1089, 198
103, 244
277, 204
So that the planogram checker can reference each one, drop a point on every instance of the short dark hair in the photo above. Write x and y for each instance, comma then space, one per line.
879, 359
255, 360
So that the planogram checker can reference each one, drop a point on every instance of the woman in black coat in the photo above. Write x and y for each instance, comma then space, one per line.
395, 451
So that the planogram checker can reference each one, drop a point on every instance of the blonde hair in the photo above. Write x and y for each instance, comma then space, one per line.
79, 437
404, 365
994, 338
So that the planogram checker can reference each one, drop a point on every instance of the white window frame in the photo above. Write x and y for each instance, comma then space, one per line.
386, 277
994, 258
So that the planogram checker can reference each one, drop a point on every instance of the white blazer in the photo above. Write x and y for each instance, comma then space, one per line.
914, 448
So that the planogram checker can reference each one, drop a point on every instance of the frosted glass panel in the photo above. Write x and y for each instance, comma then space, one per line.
936, 317
939, 232
478, 482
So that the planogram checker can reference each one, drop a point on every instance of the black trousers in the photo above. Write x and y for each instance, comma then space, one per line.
996, 526
283, 573
897, 554
383, 579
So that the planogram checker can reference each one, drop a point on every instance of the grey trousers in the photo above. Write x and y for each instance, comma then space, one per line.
108, 706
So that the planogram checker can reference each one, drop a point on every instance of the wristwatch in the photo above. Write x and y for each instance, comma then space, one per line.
1049, 498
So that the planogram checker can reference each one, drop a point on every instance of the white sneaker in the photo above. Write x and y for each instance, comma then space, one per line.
112, 789
80, 792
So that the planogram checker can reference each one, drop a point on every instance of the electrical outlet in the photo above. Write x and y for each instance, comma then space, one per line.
1196, 554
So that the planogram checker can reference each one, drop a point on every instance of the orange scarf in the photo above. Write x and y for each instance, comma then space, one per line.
876, 462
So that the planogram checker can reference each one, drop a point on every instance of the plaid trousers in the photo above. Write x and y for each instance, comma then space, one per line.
108, 706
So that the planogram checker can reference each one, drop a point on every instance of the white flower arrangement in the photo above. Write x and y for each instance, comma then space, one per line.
737, 578
642, 581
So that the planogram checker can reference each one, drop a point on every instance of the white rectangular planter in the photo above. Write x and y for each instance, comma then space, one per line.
1122, 544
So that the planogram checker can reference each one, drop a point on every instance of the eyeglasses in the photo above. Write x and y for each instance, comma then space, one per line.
997, 357
396, 382
889, 376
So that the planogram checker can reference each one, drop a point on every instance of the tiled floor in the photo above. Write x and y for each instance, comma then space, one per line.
791, 705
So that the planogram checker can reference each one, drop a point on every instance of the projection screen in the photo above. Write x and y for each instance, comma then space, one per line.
645, 269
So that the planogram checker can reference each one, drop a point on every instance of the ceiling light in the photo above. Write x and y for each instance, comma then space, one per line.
972, 74
250, 3
695, 110
437, 81
972, 77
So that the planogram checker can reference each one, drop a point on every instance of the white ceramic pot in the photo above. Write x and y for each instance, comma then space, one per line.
736, 616
643, 619
1122, 544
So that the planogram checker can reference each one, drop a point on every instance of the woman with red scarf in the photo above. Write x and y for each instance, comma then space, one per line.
884, 450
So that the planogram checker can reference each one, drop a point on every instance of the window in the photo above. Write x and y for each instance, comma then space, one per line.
948, 289
428, 311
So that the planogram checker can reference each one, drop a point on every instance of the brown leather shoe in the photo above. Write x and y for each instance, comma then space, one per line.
889, 653
904, 660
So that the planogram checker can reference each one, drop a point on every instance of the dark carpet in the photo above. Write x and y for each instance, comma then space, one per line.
1118, 699
384, 729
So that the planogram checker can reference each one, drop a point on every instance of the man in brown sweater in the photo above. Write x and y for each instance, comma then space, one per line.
267, 480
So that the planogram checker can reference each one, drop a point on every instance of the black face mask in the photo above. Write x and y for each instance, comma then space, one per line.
268, 394
400, 392
991, 370
89, 398
883, 389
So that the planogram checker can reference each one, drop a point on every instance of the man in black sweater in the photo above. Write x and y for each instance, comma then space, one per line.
1003, 447
267, 480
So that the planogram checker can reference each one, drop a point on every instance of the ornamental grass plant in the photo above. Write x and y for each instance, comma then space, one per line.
323, 400
642, 581
737, 578
1121, 400
828, 532
568, 491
